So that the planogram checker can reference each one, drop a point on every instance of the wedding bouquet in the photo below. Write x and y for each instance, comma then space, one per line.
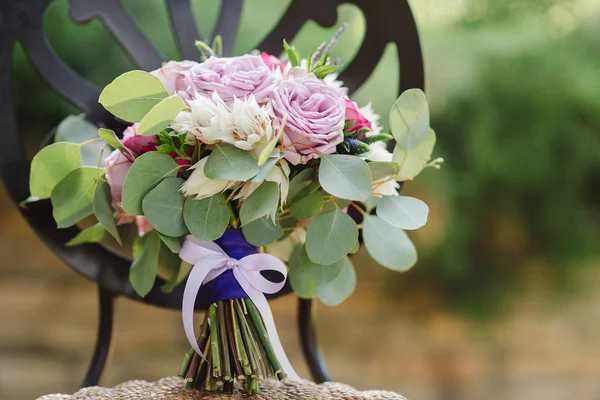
237, 165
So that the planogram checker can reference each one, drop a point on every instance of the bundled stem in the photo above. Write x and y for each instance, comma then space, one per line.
235, 346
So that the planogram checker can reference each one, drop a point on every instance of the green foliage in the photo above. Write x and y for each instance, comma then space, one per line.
300, 182
293, 55
93, 234
145, 174
172, 243
160, 116
206, 219
261, 202
103, 209
409, 118
72, 198
414, 160
339, 289
75, 129
262, 231
381, 169
388, 245
346, 177
403, 212
227, 162
329, 237
113, 141
143, 269
163, 206
308, 206
50, 166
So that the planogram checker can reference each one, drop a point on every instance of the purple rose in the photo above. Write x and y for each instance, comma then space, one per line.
231, 77
315, 117
172, 75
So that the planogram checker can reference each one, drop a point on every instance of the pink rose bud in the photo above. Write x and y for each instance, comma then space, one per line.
137, 144
315, 117
117, 165
354, 115
272, 61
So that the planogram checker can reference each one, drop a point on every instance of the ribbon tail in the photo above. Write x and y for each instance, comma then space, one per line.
262, 305
194, 281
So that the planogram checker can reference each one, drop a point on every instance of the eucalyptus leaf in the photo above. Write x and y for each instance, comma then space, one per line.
380, 169
163, 206
50, 166
227, 162
113, 141
300, 279
72, 199
262, 231
143, 269
372, 202
145, 174
346, 177
75, 129
261, 202
329, 237
322, 274
388, 245
103, 209
178, 277
131, 95
266, 168
300, 182
335, 292
160, 116
334, 204
414, 160
403, 212
307, 207
268, 150
93, 234
172, 243
409, 118
207, 218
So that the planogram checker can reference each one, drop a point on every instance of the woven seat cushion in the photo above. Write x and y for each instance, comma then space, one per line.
172, 389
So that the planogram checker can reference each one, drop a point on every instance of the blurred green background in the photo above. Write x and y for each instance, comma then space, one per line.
502, 302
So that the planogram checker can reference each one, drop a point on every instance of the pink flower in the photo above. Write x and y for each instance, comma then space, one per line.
353, 114
137, 144
230, 77
315, 117
272, 61
172, 75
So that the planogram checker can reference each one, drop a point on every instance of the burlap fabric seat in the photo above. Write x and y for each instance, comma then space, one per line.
172, 389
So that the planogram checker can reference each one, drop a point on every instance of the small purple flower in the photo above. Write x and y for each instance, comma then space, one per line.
315, 117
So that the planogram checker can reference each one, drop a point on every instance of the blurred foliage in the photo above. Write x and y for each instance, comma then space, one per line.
515, 94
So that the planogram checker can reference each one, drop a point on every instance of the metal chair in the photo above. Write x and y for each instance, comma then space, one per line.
21, 21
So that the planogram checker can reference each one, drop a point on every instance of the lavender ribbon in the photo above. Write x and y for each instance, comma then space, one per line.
210, 261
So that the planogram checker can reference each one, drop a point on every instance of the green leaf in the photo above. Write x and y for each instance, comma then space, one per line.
160, 116
75, 129
293, 55
131, 95
335, 204
322, 71
372, 202
388, 245
173, 243
308, 206
414, 160
329, 237
381, 169
262, 231
335, 292
143, 269
113, 141
206, 219
163, 206
346, 177
322, 274
299, 277
266, 153
178, 277
266, 169
260, 203
103, 209
93, 234
72, 199
403, 212
50, 166
228, 163
301, 182
145, 174
409, 118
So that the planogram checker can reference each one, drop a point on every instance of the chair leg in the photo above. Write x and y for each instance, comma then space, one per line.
308, 339
106, 300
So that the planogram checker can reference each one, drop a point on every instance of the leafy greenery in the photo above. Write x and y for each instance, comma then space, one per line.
103, 209
329, 237
346, 177
207, 218
72, 198
93, 234
227, 162
163, 206
50, 166
143, 269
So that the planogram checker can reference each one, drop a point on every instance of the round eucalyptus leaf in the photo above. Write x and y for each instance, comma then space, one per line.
93, 234
301, 182
145, 174
346, 177
409, 118
103, 209
307, 207
206, 219
262, 231
228, 163
335, 292
261, 202
322, 274
403, 212
300, 279
110, 137
76, 129
163, 207
143, 269
412, 161
50, 166
381, 169
329, 237
131, 95
160, 116
172, 243
72, 199
388, 245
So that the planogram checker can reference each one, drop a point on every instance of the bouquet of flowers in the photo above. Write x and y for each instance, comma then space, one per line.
237, 165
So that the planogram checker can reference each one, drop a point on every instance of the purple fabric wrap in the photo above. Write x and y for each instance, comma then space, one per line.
225, 286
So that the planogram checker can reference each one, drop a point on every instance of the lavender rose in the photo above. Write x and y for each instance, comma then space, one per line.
172, 75
315, 117
231, 77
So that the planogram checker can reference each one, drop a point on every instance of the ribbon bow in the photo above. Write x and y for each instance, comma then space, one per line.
210, 261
